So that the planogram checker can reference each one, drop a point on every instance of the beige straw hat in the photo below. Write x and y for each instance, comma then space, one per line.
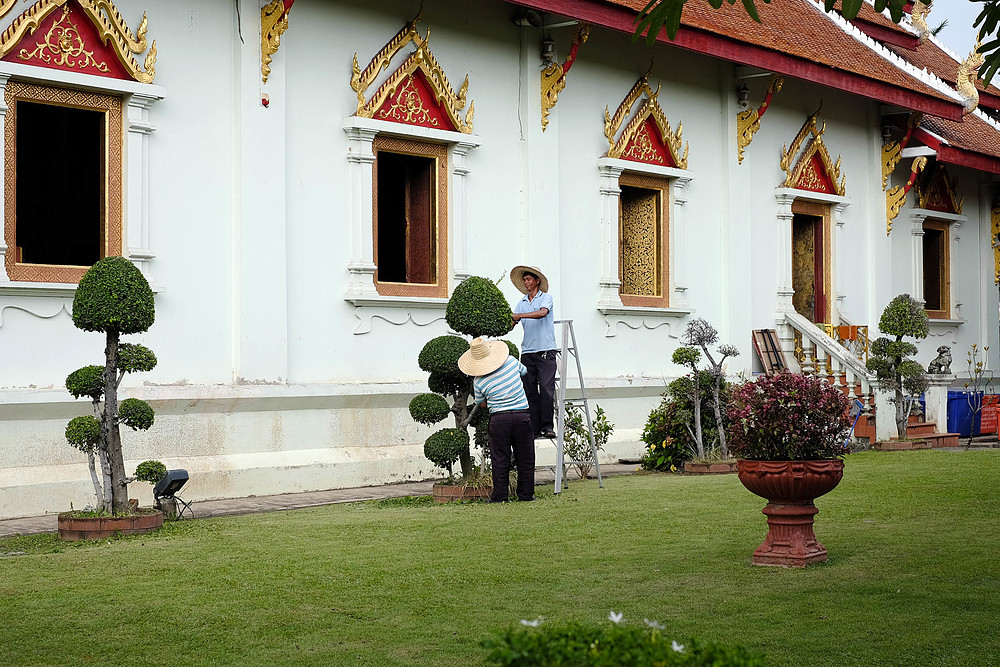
517, 277
483, 356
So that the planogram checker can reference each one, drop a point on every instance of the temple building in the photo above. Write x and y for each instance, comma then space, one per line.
304, 183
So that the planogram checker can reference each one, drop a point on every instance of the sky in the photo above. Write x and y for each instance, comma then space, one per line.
958, 35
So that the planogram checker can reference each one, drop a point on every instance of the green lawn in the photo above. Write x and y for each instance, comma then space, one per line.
913, 576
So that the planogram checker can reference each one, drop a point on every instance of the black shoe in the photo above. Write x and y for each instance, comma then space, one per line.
496, 500
525, 500
539, 435
550, 434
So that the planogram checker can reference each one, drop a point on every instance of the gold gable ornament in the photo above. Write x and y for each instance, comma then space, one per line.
804, 174
892, 152
938, 193
420, 59
649, 109
111, 28
273, 24
748, 120
895, 197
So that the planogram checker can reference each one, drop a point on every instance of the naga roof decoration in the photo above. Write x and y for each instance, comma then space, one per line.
417, 92
813, 170
937, 192
64, 42
748, 120
968, 72
648, 137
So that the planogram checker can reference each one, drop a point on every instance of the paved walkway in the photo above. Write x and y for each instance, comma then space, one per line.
292, 501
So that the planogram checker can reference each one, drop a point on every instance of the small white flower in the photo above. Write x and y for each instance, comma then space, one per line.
533, 624
615, 618
653, 624
678, 648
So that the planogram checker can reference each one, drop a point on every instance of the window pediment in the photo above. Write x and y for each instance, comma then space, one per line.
417, 92
937, 192
87, 36
813, 169
647, 137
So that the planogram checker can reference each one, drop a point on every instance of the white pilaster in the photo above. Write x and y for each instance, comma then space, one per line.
917, 218
361, 267
838, 261
610, 285
678, 250
459, 209
137, 179
785, 215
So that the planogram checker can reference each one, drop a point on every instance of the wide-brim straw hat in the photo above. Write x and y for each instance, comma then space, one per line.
483, 356
517, 277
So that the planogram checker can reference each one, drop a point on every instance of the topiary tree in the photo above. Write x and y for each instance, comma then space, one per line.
476, 308
114, 298
890, 360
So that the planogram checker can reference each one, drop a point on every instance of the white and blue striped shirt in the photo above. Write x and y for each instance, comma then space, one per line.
502, 389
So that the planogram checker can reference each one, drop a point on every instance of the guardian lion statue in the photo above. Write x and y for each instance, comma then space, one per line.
941, 365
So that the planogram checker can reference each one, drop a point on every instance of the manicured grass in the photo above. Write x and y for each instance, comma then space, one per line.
913, 576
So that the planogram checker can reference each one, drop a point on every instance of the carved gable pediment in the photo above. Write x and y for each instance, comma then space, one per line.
417, 92
87, 36
648, 137
937, 192
813, 169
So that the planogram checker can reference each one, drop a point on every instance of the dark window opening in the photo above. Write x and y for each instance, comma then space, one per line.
641, 237
59, 194
407, 224
934, 269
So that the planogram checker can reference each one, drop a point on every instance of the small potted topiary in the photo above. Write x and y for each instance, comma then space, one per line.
476, 308
114, 298
789, 433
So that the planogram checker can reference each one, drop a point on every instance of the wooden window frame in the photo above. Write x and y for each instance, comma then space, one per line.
662, 185
439, 153
944, 272
113, 178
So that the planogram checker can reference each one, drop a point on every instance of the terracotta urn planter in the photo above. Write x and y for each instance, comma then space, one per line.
450, 493
790, 487
75, 528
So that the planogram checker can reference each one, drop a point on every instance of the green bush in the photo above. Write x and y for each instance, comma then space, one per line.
136, 414
449, 384
87, 381
668, 441
445, 446
133, 358
83, 432
613, 645
150, 471
440, 355
113, 295
514, 352
429, 409
576, 439
477, 307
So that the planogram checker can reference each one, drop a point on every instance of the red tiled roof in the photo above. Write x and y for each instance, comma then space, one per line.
796, 39
972, 143
936, 60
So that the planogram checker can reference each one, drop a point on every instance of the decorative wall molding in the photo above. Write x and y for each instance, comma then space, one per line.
41, 308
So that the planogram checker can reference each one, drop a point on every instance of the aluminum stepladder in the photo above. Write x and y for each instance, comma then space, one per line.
569, 348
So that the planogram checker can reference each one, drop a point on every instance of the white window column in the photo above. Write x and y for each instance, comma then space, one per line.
785, 216
137, 193
459, 209
361, 267
678, 246
610, 285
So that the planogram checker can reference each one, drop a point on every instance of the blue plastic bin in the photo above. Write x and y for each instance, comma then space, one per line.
960, 414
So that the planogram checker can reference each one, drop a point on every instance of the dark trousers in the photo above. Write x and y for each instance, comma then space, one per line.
510, 432
540, 387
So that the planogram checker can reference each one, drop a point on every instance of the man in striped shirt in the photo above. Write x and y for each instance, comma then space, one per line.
497, 387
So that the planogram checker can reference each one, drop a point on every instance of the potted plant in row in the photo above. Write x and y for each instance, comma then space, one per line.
789, 433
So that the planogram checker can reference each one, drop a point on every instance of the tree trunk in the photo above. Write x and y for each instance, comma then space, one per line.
462, 421
696, 399
98, 492
723, 448
119, 485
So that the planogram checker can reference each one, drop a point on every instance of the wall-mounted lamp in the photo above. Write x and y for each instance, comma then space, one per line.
548, 50
743, 95
886, 133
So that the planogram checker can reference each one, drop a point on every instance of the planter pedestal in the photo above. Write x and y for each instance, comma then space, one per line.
790, 540
790, 488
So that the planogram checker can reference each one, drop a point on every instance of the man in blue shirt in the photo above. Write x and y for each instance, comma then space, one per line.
538, 349
496, 385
